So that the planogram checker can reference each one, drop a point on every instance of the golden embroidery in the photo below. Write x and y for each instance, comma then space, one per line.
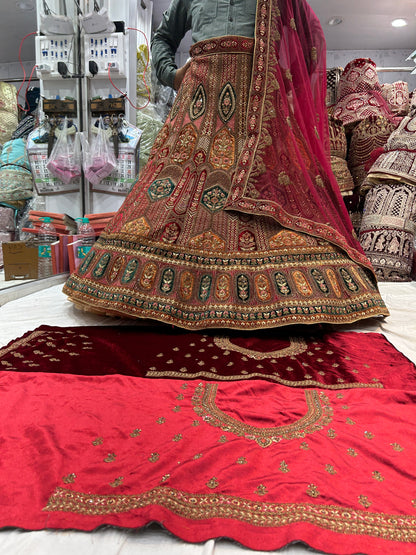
378, 476
314, 54
161, 420
261, 490
363, 500
304, 446
180, 397
331, 433
177, 437
319, 414
213, 483
397, 447
138, 227
165, 478
241, 460
312, 491
211, 505
208, 241
222, 155
283, 178
135, 433
284, 467
350, 422
297, 346
352, 452
98, 441
117, 482
198, 456
330, 469
293, 24
69, 479
196, 423
369, 435
111, 457
154, 457
223, 439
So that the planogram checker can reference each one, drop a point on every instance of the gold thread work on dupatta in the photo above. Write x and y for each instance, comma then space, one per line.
297, 346
318, 415
343, 520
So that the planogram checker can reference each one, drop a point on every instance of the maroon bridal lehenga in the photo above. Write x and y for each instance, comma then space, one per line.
237, 220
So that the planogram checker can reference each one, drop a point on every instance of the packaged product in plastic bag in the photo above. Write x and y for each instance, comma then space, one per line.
65, 159
99, 158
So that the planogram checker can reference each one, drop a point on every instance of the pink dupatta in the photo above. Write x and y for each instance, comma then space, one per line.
284, 169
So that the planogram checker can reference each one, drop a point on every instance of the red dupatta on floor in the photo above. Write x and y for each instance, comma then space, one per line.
284, 169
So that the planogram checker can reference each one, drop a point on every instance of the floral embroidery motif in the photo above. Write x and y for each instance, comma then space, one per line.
330, 469
363, 500
98, 441
167, 281
154, 457
213, 483
111, 457
208, 241
241, 460
205, 287
171, 233
101, 265
263, 288
161, 188
247, 242
312, 491
117, 482
198, 103
282, 284
284, 467
261, 490
222, 155
69, 479
139, 227
397, 447
214, 199
135, 433
222, 287
185, 144
227, 103
130, 271
243, 287
378, 476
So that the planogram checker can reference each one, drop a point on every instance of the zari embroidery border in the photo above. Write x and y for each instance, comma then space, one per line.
297, 346
203, 374
319, 414
342, 520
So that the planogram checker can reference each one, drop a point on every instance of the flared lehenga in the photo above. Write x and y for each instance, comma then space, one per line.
175, 254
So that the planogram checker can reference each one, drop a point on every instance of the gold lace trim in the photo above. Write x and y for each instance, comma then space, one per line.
343, 520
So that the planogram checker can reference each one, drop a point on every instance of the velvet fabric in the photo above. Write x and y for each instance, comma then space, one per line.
296, 358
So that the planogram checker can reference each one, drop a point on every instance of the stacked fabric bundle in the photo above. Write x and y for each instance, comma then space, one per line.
8, 111
389, 221
338, 151
15, 175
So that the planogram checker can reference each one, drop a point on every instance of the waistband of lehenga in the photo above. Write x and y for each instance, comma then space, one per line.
223, 45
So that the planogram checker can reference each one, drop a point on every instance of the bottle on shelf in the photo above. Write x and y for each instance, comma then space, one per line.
87, 233
47, 236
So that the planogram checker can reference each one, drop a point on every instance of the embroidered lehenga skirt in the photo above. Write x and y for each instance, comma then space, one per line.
173, 254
